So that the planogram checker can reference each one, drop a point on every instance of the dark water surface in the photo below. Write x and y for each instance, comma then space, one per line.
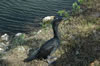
25, 15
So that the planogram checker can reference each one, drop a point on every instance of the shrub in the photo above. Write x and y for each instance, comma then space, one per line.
81, 1
75, 8
63, 13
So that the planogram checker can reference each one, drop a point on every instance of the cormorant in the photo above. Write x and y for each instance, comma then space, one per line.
48, 47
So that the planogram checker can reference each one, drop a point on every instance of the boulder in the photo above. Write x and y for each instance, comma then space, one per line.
18, 34
5, 37
48, 19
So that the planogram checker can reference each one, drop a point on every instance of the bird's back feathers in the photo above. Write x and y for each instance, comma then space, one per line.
32, 56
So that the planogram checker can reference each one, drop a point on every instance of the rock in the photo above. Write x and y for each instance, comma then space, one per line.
2, 44
5, 37
3, 47
48, 19
18, 34
21, 48
39, 31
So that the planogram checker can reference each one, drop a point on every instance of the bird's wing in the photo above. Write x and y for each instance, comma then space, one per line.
48, 44
32, 56
49, 47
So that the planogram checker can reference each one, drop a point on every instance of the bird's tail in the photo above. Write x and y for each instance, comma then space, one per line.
32, 56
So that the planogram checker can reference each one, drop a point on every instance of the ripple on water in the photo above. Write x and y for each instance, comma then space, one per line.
25, 15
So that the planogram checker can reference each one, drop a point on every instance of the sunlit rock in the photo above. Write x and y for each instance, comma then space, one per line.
39, 31
48, 19
18, 34
1, 50
3, 47
5, 37
2, 44
21, 48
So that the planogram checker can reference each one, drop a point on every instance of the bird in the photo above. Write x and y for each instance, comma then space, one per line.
50, 46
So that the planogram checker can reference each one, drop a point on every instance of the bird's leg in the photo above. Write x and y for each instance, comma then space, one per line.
51, 59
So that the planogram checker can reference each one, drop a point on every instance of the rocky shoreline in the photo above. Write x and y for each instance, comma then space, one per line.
80, 42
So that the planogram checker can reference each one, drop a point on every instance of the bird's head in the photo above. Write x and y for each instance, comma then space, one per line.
57, 20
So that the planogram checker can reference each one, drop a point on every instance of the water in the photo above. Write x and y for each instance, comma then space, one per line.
25, 15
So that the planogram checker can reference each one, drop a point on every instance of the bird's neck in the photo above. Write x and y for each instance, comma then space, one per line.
55, 30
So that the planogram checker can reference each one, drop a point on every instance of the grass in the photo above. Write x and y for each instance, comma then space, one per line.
82, 36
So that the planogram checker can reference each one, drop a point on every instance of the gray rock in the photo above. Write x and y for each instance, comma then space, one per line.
5, 37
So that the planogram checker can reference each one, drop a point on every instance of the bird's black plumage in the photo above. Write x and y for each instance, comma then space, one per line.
50, 46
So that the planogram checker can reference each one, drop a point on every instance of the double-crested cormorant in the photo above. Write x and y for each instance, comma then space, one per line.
50, 46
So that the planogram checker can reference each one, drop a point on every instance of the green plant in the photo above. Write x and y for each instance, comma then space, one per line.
81, 1
63, 13
75, 7
66, 14
18, 40
44, 25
